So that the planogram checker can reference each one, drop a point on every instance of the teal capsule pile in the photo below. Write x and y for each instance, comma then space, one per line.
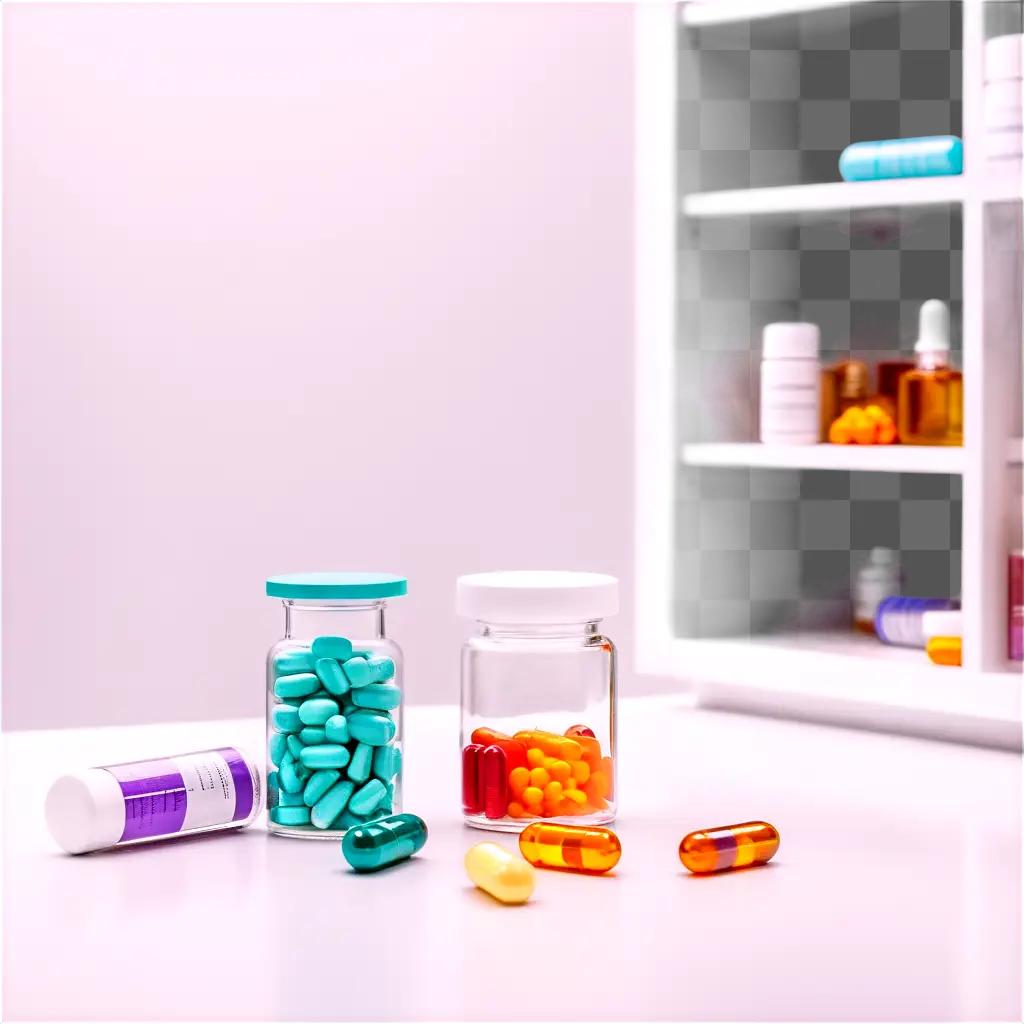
334, 757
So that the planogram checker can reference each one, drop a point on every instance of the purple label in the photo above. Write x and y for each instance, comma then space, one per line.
155, 800
191, 791
243, 782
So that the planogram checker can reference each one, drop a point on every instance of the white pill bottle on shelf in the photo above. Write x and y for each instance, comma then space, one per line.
161, 798
790, 386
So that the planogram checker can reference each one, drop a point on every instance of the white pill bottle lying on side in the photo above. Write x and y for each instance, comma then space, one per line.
163, 798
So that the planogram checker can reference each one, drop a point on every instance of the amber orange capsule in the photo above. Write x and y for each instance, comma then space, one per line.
591, 851
729, 846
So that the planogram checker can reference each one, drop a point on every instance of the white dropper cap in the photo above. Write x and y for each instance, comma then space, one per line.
933, 327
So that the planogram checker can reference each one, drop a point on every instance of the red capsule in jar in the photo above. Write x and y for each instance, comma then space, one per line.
580, 730
472, 795
494, 781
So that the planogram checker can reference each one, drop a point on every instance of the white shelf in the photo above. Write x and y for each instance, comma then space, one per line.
722, 12
868, 458
1015, 451
855, 679
827, 198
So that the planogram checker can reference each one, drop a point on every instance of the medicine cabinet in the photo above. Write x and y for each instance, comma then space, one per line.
746, 552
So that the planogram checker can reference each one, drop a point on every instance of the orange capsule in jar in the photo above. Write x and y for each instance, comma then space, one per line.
590, 851
728, 847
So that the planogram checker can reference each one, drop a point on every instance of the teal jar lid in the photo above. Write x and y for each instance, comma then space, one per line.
337, 586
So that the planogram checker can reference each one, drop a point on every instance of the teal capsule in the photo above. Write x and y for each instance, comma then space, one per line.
332, 647
387, 762
347, 819
374, 727
325, 755
289, 778
291, 662
295, 745
365, 800
361, 671
361, 764
329, 671
300, 685
285, 718
290, 815
318, 784
329, 806
277, 746
316, 711
380, 698
384, 841
336, 729
290, 799
313, 734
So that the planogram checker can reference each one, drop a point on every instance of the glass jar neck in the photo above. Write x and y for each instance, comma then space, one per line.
572, 631
304, 620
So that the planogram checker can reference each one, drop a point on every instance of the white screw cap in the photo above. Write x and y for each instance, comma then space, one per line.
536, 597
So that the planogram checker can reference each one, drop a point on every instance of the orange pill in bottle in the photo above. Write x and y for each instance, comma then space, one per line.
728, 847
590, 851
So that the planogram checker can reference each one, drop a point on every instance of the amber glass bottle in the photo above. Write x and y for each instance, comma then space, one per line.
931, 402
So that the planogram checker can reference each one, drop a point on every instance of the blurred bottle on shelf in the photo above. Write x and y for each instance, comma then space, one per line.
1016, 606
943, 632
877, 579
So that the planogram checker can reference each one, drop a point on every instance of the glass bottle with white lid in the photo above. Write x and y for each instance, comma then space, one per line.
538, 699
334, 704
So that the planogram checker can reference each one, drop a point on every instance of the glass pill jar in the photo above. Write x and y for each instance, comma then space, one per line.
334, 704
538, 699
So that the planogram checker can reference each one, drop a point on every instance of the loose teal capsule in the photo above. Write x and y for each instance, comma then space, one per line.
295, 745
332, 647
325, 755
300, 685
290, 815
374, 727
316, 711
366, 799
361, 764
335, 681
277, 746
387, 762
285, 718
336, 729
318, 784
289, 778
290, 662
361, 671
313, 734
385, 841
380, 698
331, 804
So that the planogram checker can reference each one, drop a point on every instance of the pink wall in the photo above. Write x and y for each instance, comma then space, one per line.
292, 287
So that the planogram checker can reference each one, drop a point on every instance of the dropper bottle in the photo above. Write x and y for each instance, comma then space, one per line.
931, 400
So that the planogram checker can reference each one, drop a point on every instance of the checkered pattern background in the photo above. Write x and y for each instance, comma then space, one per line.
769, 103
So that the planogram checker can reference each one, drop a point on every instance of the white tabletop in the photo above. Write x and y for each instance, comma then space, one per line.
895, 894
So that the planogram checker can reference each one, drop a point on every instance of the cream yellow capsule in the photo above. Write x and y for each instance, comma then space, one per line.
506, 877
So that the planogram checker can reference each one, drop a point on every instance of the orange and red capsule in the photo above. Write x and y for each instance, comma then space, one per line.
728, 847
